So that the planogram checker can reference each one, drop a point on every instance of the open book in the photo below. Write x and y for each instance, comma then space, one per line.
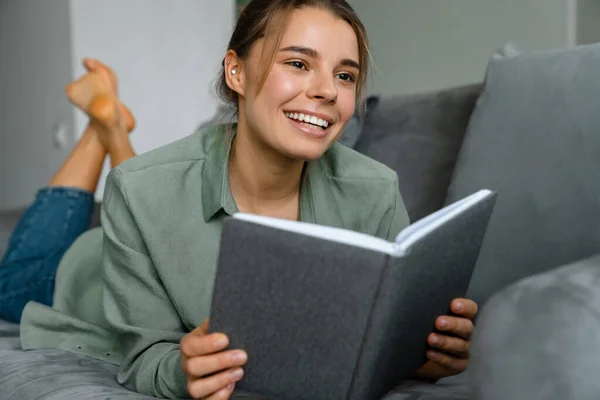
327, 313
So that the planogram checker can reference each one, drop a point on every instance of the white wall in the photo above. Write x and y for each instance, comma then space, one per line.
430, 44
166, 54
34, 67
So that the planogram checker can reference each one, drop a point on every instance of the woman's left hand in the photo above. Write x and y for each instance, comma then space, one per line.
449, 354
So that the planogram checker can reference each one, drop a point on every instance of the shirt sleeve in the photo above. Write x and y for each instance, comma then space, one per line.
396, 217
136, 306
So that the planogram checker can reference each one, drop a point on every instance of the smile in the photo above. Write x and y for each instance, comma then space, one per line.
308, 120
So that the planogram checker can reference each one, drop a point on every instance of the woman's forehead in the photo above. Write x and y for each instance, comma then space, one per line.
322, 31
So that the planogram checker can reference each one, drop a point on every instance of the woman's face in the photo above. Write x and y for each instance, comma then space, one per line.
310, 93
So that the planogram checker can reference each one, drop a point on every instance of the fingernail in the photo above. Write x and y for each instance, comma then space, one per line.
433, 355
231, 386
435, 339
240, 356
444, 323
221, 341
237, 374
459, 306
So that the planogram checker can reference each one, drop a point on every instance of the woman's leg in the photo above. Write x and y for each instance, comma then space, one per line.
83, 166
60, 213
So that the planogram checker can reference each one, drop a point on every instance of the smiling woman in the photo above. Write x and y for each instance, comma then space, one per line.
294, 71
312, 68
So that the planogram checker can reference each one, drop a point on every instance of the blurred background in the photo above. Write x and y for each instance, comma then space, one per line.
167, 54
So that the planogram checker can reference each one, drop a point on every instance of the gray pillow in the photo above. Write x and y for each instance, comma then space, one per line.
535, 138
355, 127
537, 339
419, 137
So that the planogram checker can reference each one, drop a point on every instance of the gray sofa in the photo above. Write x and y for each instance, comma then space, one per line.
530, 132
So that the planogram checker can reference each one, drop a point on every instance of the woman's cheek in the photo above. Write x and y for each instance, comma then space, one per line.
347, 106
283, 87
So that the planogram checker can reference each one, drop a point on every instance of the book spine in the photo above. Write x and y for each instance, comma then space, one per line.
372, 374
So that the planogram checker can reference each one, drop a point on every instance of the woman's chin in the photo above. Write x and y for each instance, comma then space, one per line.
306, 152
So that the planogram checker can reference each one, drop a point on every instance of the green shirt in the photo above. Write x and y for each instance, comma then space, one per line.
131, 301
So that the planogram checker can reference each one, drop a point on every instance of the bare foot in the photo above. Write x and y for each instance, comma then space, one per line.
96, 94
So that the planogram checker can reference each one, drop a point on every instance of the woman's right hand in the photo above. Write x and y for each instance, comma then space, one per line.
211, 370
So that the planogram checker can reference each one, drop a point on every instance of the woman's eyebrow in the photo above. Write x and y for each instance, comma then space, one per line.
315, 54
303, 50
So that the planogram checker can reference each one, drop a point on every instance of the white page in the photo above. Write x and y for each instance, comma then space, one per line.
404, 240
415, 232
323, 232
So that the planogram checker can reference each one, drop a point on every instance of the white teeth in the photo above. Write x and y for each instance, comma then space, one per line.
308, 119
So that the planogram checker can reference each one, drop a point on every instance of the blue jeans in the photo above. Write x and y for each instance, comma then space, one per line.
46, 230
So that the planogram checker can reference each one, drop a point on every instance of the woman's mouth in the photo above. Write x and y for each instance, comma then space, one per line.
310, 124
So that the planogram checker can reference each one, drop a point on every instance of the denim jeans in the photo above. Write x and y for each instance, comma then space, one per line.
45, 232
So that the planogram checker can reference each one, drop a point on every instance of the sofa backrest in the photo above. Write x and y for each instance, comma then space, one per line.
535, 138
419, 136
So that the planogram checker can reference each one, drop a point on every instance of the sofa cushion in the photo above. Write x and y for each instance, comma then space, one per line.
419, 136
9, 336
58, 375
550, 323
535, 138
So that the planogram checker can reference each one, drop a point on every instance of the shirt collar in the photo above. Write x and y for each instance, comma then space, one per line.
216, 193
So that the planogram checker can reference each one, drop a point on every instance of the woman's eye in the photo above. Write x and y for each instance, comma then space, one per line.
346, 77
297, 64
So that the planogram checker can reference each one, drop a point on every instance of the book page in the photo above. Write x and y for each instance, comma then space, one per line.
403, 242
415, 232
339, 235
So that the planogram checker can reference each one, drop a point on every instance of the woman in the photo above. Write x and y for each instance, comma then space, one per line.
294, 70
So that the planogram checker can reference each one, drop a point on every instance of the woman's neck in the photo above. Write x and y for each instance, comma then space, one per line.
263, 181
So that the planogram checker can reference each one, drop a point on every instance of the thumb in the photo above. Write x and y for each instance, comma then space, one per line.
204, 327
201, 330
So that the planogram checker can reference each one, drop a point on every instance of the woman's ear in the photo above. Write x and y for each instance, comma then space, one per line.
234, 75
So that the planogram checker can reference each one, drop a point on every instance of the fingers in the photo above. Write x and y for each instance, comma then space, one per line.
206, 365
222, 394
213, 384
462, 327
455, 346
452, 364
464, 307
199, 344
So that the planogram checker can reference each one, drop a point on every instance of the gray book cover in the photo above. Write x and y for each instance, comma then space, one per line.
339, 319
